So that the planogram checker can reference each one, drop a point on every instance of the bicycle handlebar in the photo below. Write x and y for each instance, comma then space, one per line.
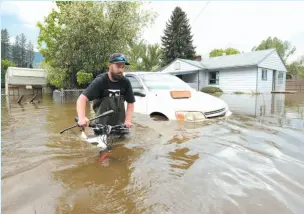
102, 115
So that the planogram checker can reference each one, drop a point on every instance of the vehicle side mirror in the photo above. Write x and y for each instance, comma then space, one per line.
139, 93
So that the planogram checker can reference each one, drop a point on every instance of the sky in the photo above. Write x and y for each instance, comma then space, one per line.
214, 24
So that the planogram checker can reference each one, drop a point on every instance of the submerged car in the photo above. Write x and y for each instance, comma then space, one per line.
169, 96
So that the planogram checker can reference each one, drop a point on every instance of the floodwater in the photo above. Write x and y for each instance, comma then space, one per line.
251, 162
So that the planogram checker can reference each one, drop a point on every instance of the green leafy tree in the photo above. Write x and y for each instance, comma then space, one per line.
296, 69
231, 51
84, 78
221, 52
82, 35
177, 40
144, 57
216, 52
4, 66
283, 48
152, 58
135, 52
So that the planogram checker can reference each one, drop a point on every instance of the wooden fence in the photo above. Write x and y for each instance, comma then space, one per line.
294, 85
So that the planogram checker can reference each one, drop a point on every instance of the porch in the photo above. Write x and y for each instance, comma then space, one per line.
189, 77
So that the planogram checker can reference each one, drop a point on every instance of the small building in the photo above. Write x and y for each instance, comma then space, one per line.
252, 72
24, 81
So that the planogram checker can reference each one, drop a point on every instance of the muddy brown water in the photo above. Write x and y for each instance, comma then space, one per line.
251, 162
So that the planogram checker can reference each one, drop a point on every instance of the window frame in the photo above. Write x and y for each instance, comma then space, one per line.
264, 74
280, 77
217, 77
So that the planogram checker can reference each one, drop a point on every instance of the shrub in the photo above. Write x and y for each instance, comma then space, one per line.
84, 78
238, 92
211, 90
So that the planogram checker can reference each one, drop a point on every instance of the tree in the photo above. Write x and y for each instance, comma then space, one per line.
136, 51
152, 58
16, 51
82, 35
4, 66
283, 48
296, 69
221, 52
30, 54
144, 57
231, 51
5, 44
23, 50
177, 40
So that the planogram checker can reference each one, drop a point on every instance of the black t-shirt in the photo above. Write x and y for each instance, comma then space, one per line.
102, 84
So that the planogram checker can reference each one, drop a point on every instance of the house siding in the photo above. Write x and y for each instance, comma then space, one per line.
202, 79
273, 62
237, 79
265, 86
281, 85
183, 67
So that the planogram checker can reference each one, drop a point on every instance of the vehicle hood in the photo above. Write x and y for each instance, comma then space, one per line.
198, 101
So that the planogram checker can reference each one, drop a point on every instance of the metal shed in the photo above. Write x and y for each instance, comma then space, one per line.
24, 81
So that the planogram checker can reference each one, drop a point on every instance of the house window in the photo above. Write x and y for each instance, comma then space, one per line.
214, 78
264, 74
280, 77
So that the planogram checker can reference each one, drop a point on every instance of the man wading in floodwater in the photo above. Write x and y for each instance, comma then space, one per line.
109, 91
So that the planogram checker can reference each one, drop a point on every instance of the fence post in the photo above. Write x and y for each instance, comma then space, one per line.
61, 95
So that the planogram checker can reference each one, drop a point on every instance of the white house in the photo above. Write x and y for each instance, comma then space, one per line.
258, 71
24, 81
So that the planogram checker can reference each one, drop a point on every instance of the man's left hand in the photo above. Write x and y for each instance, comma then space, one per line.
128, 124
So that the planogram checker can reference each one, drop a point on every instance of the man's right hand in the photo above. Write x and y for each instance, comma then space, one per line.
83, 122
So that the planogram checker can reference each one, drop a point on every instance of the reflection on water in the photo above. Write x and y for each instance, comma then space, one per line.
251, 162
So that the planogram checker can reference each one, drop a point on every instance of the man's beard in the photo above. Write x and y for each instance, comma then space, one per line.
117, 76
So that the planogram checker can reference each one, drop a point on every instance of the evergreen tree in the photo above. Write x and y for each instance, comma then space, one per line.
177, 41
29, 55
5, 44
16, 51
23, 50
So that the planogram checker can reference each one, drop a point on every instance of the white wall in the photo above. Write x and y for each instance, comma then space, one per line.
273, 62
281, 86
183, 67
202, 79
236, 79
265, 86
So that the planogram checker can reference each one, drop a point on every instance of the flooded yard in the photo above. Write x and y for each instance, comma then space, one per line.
251, 162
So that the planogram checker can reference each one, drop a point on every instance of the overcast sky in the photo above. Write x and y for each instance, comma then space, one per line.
215, 24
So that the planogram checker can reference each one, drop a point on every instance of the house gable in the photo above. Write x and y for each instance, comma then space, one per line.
181, 65
273, 61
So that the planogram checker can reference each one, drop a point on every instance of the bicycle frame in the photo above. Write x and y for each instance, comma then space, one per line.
102, 134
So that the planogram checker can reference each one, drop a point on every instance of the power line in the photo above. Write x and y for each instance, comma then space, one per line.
200, 12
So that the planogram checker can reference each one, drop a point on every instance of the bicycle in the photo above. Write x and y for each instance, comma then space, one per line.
102, 134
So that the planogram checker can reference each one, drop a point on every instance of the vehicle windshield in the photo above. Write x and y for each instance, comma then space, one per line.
163, 82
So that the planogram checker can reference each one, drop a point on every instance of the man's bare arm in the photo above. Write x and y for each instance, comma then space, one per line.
129, 114
81, 109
